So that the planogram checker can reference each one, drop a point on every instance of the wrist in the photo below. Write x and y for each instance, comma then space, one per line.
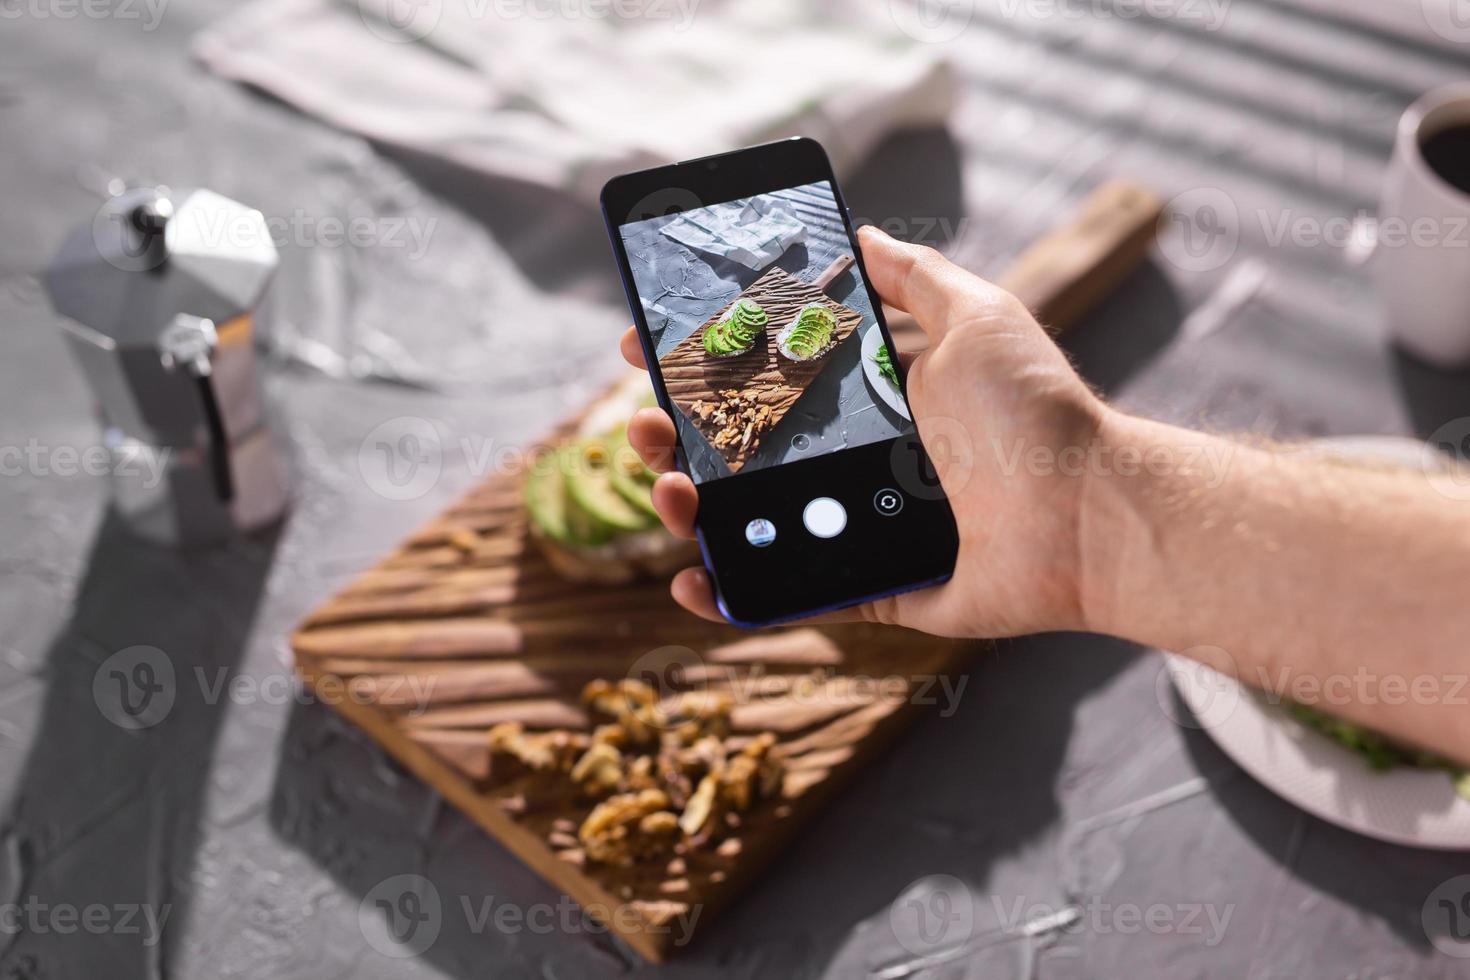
1144, 479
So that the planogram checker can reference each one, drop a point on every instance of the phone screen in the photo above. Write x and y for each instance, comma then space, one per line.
767, 346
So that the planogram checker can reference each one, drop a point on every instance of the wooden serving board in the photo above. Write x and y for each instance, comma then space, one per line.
465, 625
469, 611
692, 375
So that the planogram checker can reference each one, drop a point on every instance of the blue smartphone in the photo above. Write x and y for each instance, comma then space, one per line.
768, 348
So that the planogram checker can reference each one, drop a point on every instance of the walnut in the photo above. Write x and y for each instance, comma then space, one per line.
535, 752
612, 832
600, 769
701, 807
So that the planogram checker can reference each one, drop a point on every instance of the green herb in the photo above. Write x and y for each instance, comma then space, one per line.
1380, 752
884, 360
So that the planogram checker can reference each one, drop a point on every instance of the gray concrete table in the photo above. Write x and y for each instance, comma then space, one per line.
252, 826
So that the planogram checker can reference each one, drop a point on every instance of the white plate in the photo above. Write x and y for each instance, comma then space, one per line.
881, 386
1418, 807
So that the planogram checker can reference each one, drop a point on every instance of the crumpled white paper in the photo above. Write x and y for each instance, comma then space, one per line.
754, 232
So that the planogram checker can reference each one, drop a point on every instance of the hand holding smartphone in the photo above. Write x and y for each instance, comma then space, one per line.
767, 347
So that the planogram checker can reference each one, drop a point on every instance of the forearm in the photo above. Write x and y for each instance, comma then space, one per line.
1330, 584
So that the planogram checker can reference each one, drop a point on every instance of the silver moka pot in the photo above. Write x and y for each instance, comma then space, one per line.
161, 293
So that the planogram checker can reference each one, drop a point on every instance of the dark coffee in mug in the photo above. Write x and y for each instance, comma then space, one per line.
1448, 154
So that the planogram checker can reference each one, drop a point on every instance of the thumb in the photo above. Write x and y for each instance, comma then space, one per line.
913, 278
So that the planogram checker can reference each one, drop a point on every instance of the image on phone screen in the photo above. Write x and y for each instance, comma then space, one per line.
764, 331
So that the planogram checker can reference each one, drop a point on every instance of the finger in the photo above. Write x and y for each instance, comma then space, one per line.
652, 436
691, 589
914, 278
677, 502
632, 349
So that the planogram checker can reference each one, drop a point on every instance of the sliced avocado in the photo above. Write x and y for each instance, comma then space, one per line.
590, 489
546, 498
625, 459
635, 491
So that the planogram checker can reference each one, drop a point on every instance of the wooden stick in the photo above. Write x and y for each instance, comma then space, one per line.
1063, 275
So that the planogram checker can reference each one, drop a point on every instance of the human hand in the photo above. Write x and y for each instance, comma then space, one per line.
990, 396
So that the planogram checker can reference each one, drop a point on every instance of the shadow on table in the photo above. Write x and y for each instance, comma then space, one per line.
926, 807
106, 813
1385, 881
1127, 330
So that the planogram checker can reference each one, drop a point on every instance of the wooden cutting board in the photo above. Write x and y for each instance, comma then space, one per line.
466, 625
693, 376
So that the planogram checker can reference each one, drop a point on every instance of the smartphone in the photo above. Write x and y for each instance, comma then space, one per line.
768, 348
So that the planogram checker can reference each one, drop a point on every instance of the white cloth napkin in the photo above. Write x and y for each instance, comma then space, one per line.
753, 233
569, 101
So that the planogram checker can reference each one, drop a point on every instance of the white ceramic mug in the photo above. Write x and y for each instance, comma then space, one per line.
1423, 255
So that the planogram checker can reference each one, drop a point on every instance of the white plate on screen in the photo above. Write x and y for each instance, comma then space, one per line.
1417, 807
881, 386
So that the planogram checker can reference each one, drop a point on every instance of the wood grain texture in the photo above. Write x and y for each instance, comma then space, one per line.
466, 625
691, 375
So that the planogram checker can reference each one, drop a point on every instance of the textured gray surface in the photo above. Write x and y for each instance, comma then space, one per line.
683, 288
262, 823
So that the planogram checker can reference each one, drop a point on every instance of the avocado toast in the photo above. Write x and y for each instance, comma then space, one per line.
590, 501
809, 335
738, 331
